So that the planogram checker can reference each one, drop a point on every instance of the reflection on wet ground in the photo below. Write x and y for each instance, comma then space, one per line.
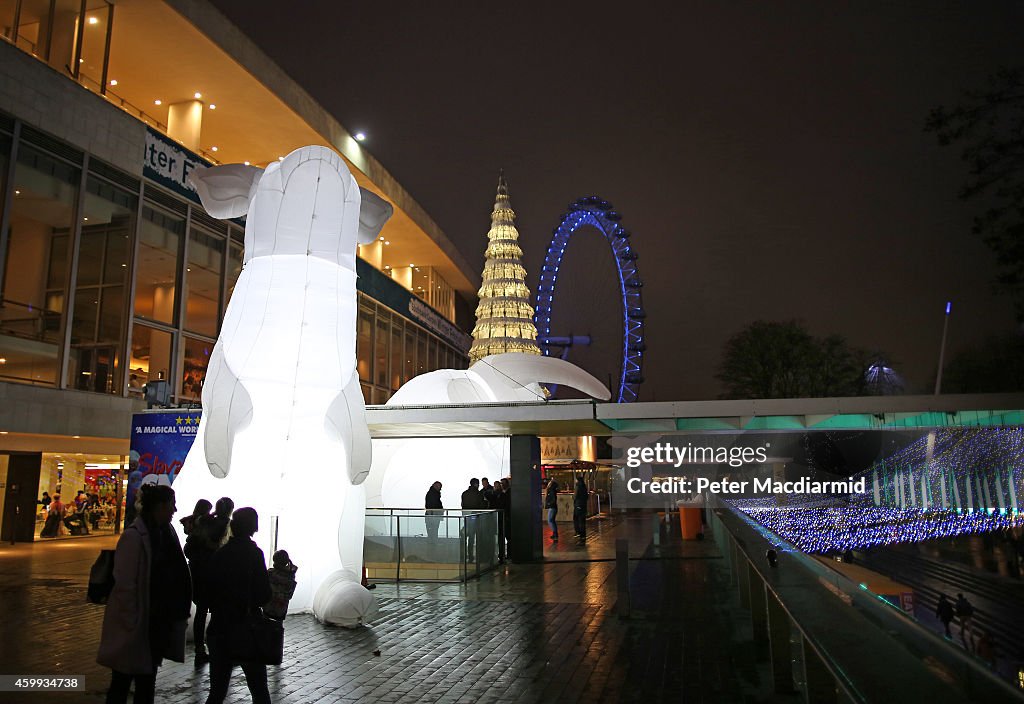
525, 633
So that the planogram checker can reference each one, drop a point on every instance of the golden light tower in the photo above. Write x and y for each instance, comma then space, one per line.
504, 317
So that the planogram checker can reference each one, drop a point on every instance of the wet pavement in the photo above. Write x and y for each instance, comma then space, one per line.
523, 633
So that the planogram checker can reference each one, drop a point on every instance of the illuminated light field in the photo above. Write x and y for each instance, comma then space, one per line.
950, 482
823, 526
951, 468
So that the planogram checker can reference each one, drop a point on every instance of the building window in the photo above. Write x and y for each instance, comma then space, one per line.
397, 333
150, 357
364, 343
410, 354
195, 358
202, 282
422, 361
36, 270
234, 269
380, 344
108, 222
160, 238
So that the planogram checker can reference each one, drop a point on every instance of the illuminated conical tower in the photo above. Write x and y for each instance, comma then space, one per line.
504, 318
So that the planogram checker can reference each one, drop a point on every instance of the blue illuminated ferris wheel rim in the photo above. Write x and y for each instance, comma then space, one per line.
596, 212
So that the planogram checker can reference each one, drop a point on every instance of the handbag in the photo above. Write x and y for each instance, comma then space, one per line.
256, 639
101, 578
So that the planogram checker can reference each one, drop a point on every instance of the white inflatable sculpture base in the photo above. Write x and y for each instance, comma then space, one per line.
342, 601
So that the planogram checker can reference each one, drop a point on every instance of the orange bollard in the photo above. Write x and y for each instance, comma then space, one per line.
689, 522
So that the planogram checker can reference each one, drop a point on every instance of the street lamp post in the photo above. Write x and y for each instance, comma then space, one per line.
942, 348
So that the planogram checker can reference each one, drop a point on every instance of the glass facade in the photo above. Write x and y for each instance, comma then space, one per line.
146, 276
61, 34
391, 349
97, 44
100, 313
39, 227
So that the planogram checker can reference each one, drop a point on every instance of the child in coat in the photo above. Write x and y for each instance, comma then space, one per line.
282, 585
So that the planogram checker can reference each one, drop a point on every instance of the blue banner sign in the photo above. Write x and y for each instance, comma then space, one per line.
160, 441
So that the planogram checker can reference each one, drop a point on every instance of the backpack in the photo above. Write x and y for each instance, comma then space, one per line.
101, 578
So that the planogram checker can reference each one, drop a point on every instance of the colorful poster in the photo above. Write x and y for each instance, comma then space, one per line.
159, 443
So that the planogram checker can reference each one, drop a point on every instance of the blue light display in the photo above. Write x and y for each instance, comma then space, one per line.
599, 214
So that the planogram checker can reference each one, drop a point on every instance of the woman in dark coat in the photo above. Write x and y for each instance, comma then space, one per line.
148, 609
236, 583
199, 547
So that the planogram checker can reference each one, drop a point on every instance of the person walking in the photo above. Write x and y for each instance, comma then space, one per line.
472, 501
580, 505
237, 583
944, 612
148, 608
507, 486
964, 612
551, 504
199, 548
435, 509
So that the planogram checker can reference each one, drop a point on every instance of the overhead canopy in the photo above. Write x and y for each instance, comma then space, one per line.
562, 418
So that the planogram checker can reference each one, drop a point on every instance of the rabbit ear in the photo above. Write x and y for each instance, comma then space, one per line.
227, 190
518, 369
374, 211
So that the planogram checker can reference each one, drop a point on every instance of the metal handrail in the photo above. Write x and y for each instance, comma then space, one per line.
883, 613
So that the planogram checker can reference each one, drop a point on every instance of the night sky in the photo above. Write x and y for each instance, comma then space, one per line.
769, 158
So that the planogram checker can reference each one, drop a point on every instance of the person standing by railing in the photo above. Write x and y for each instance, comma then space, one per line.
507, 486
435, 509
472, 501
499, 503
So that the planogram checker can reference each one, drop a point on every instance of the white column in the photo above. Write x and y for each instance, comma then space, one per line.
185, 123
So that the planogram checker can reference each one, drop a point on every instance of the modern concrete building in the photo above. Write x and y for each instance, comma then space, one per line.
113, 276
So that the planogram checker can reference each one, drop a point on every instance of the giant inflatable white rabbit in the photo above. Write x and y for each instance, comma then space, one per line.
403, 469
283, 427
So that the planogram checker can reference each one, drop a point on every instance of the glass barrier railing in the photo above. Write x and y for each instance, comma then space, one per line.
421, 545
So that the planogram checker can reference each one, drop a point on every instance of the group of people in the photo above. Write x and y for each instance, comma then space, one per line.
978, 643
75, 516
580, 508
221, 570
480, 495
